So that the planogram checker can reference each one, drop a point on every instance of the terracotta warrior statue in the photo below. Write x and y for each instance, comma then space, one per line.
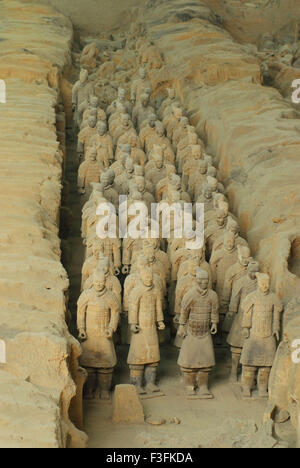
137, 154
167, 102
89, 171
195, 184
89, 56
180, 132
110, 192
244, 286
139, 85
85, 137
145, 319
94, 106
233, 274
104, 144
161, 140
81, 94
148, 132
142, 111
97, 320
125, 178
124, 131
198, 321
159, 170
261, 324
220, 262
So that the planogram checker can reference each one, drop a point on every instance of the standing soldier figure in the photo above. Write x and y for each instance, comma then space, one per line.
145, 318
97, 320
241, 289
261, 324
199, 320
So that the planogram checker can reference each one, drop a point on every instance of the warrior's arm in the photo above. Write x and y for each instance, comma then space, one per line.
117, 253
247, 307
81, 141
159, 307
81, 311
227, 288
213, 265
74, 94
81, 175
185, 309
114, 313
110, 149
235, 300
215, 309
127, 251
277, 310
134, 307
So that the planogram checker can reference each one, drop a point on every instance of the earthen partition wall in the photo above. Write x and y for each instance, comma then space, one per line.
254, 135
36, 382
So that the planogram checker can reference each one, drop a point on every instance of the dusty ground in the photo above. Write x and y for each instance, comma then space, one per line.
213, 423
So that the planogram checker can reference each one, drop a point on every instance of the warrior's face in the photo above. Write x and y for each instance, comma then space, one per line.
221, 219
147, 277
172, 94
208, 193
229, 243
203, 168
159, 162
92, 122
160, 131
133, 142
93, 155
244, 257
94, 102
102, 129
83, 76
99, 281
202, 280
152, 122
142, 73
125, 121
264, 284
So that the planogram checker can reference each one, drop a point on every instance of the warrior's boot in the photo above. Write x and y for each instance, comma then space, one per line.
263, 381
190, 379
235, 361
203, 384
150, 377
248, 376
90, 385
104, 383
136, 378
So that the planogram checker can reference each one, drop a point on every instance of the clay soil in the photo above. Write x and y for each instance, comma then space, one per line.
207, 424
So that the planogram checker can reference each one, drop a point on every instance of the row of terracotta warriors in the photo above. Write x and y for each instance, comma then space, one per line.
127, 150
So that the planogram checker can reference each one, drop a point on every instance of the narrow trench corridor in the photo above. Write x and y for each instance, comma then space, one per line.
172, 421
191, 102
185, 423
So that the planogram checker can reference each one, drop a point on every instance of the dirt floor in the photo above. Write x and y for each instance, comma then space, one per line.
203, 423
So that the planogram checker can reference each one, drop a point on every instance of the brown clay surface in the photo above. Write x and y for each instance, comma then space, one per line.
203, 423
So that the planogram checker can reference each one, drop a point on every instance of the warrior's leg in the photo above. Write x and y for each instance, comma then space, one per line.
235, 361
104, 383
190, 380
202, 380
90, 385
150, 377
136, 378
263, 381
248, 377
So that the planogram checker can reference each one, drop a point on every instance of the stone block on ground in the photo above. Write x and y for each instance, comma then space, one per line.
127, 407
